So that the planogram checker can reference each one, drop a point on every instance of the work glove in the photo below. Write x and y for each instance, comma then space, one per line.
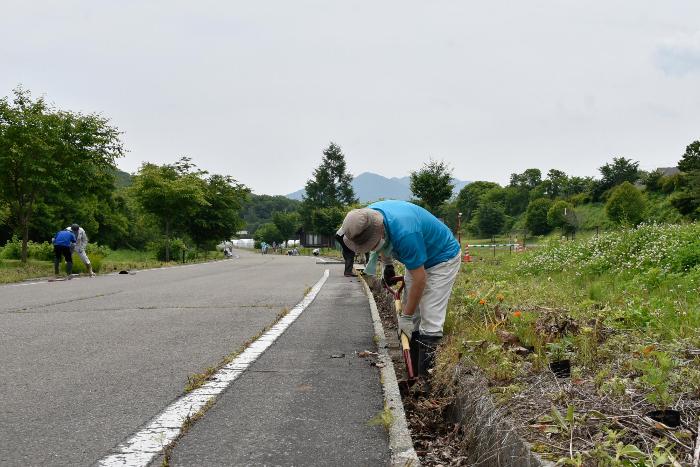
406, 325
389, 274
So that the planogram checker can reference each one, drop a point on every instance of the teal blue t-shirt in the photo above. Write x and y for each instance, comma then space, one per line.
418, 238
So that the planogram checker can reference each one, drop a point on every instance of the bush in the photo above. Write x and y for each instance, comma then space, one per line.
687, 257
13, 249
627, 205
177, 247
561, 215
536, 216
268, 233
490, 219
39, 251
580, 198
95, 261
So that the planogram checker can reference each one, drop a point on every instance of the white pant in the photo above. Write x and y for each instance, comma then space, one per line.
83, 256
429, 317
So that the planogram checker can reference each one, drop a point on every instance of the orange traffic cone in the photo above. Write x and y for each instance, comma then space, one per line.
467, 258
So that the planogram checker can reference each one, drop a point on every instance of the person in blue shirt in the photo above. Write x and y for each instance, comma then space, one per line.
427, 248
63, 244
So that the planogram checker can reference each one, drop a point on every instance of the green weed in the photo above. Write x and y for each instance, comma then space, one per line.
384, 418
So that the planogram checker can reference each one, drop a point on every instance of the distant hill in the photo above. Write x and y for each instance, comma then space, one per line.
369, 186
121, 178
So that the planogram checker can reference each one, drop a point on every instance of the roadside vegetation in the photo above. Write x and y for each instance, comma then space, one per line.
104, 260
623, 308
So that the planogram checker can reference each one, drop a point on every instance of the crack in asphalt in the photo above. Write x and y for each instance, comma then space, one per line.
61, 302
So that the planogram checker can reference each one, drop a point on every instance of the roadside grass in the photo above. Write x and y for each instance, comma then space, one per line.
384, 418
12, 270
623, 307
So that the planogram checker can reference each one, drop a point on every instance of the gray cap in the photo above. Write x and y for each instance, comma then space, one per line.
363, 228
75, 227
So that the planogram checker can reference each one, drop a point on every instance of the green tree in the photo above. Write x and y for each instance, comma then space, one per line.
620, 170
171, 193
45, 151
529, 179
259, 209
287, 223
653, 181
576, 185
327, 220
626, 205
268, 233
490, 219
536, 216
495, 195
432, 185
330, 187
691, 158
561, 216
557, 182
218, 217
469, 198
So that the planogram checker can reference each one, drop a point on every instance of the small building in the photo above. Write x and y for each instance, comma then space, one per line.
315, 240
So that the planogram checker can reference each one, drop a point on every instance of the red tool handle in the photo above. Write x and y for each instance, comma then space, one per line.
395, 292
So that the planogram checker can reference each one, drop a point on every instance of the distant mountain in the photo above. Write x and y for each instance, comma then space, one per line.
369, 186
121, 178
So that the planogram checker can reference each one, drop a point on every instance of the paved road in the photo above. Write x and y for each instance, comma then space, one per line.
297, 405
85, 363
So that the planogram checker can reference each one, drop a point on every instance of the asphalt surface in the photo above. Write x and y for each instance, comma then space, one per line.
307, 400
85, 363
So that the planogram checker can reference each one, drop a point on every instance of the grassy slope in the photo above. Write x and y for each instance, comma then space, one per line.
621, 307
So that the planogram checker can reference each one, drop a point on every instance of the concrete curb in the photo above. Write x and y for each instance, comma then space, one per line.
400, 442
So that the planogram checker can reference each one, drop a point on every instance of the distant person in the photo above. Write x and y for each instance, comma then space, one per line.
348, 254
63, 243
81, 241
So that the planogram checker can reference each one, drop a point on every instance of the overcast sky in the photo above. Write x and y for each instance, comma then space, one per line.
257, 89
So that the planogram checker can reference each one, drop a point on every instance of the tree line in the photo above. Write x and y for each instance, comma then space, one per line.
539, 204
57, 167
532, 202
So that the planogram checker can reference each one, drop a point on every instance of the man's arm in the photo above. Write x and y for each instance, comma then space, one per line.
415, 292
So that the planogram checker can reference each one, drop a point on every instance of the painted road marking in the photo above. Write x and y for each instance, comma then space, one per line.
142, 447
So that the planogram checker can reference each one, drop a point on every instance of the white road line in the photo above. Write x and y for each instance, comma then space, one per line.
146, 444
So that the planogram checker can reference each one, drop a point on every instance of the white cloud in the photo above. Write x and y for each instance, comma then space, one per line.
679, 55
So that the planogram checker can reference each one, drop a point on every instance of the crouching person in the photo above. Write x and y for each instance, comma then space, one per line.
63, 243
430, 253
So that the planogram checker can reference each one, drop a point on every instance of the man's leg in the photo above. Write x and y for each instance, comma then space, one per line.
68, 255
56, 258
433, 309
86, 261
349, 257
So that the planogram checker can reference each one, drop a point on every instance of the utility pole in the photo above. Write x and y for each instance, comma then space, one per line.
459, 230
